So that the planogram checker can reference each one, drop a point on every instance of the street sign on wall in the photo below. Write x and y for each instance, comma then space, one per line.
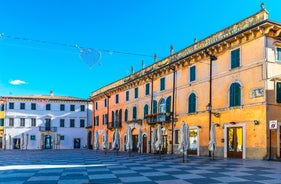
273, 124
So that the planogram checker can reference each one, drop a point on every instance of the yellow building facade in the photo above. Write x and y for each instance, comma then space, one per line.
2, 116
231, 78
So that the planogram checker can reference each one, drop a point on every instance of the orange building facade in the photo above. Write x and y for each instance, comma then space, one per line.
231, 78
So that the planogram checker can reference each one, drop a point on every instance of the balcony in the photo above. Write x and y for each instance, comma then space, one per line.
113, 125
47, 129
138, 121
158, 118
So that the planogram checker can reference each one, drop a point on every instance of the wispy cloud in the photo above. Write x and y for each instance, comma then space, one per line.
17, 82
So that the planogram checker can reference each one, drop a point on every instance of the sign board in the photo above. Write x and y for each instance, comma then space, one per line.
273, 124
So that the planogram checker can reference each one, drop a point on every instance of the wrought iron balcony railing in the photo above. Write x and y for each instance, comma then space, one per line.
44, 129
112, 125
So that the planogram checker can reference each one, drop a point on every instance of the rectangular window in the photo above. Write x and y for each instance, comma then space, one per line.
177, 136
62, 122
11, 122
22, 106
147, 89
82, 108
61, 137
11, 105
97, 106
2, 107
136, 92
278, 54
127, 95
235, 58
96, 121
33, 106
72, 107
105, 102
192, 73
82, 123
48, 107
62, 107
33, 122
278, 92
32, 137
22, 122
162, 84
72, 123
2, 122
117, 98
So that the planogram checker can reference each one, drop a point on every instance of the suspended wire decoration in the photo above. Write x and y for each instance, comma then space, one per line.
90, 56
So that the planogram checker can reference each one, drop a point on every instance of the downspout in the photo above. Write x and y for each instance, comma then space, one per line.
151, 109
173, 108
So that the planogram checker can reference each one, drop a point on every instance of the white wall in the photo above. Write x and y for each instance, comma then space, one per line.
55, 114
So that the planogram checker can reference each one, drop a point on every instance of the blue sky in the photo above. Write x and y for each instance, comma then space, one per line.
145, 27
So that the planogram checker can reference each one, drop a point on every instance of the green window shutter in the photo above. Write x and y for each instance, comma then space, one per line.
134, 112
278, 92
127, 95
278, 54
162, 84
126, 115
147, 86
2, 122
235, 95
136, 92
192, 73
145, 110
192, 103
235, 58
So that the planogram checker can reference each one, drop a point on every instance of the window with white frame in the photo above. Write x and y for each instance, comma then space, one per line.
278, 54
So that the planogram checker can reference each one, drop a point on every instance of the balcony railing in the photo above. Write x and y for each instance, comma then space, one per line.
158, 117
44, 129
138, 121
112, 125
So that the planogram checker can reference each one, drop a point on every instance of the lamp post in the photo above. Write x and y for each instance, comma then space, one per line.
209, 106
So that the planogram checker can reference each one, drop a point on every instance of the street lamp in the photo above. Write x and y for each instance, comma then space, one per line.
209, 106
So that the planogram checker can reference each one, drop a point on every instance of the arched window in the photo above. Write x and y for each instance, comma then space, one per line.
145, 111
135, 112
235, 95
126, 115
192, 103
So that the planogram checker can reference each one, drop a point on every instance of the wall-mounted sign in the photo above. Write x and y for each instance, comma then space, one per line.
273, 124
257, 92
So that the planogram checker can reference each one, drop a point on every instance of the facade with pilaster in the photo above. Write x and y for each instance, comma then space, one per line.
231, 78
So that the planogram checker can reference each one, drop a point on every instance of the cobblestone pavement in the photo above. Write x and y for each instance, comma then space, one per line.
89, 166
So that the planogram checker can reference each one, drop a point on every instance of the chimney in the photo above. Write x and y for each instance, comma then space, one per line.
155, 58
142, 64
132, 69
51, 93
171, 50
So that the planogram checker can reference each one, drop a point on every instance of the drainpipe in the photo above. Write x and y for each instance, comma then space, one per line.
151, 109
173, 108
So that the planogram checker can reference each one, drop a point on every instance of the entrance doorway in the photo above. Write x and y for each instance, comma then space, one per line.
234, 142
135, 143
16, 144
164, 144
144, 144
77, 143
48, 142
90, 146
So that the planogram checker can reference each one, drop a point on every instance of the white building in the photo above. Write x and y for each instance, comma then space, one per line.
46, 122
